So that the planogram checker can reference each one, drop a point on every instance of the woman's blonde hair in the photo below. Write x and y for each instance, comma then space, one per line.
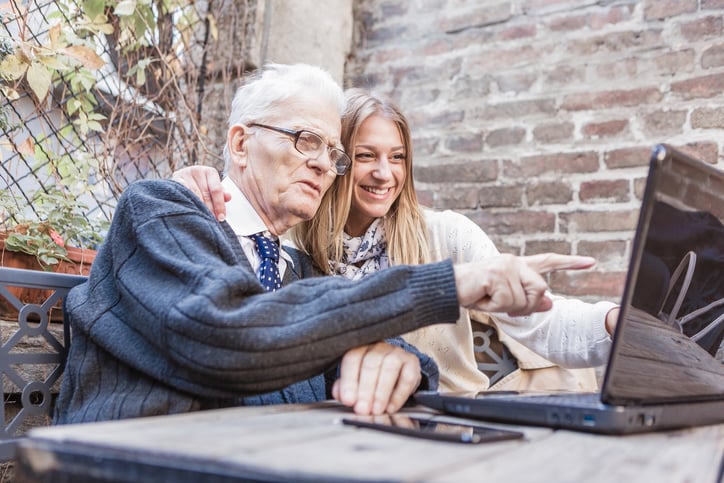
404, 225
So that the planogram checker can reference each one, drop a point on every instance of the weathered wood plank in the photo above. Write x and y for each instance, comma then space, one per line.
308, 442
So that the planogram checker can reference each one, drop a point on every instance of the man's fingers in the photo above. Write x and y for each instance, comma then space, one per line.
205, 183
349, 375
377, 378
216, 198
407, 382
550, 262
369, 376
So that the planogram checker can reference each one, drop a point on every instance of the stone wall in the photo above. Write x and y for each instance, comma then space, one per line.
536, 118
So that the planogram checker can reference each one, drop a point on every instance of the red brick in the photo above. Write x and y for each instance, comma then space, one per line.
455, 197
702, 28
505, 244
425, 146
470, 87
639, 186
505, 136
660, 9
445, 118
627, 157
476, 17
470, 172
464, 143
675, 62
613, 16
551, 133
707, 118
615, 70
706, 151
528, 167
533, 247
515, 109
604, 190
713, 56
549, 193
706, 86
604, 129
598, 221
501, 196
604, 252
661, 123
425, 197
518, 32
614, 42
515, 82
635, 97
515, 222
588, 283
542, 7
572, 22
563, 75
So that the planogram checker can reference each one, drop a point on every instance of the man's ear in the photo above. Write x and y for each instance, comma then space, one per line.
236, 141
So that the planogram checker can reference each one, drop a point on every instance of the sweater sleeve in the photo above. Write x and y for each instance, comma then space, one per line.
171, 295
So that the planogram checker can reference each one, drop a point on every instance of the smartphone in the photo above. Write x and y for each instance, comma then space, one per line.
431, 429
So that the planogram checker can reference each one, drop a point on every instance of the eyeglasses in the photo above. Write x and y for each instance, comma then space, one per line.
312, 145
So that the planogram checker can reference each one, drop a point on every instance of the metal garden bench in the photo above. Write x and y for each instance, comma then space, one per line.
28, 374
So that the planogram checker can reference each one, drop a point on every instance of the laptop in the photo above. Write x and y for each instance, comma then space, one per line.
662, 372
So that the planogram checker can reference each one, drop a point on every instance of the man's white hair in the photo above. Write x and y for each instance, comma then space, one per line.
265, 94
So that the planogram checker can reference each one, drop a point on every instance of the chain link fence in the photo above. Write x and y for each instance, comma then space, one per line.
100, 93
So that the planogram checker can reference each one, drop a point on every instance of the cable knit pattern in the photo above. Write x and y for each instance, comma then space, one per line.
173, 318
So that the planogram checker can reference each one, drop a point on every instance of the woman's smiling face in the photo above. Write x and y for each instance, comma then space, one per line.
378, 173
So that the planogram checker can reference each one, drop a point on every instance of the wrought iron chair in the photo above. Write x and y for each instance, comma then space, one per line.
30, 390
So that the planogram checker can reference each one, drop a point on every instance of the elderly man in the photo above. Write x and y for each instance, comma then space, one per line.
182, 312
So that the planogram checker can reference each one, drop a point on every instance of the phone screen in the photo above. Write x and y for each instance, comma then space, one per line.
431, 429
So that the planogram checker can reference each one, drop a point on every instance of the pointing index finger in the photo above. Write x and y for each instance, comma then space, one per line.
551, 262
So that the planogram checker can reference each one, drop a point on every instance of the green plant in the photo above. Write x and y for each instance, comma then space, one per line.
94, 95
56, 223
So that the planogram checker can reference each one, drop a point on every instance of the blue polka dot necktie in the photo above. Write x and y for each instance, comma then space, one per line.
268, 271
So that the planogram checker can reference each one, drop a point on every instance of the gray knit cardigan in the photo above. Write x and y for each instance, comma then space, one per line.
173, 319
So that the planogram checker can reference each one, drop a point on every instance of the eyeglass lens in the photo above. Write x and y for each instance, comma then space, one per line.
312, 145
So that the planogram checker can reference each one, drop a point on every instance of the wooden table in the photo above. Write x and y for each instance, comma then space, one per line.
308, 443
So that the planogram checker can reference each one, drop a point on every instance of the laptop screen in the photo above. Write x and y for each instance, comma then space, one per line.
669, 334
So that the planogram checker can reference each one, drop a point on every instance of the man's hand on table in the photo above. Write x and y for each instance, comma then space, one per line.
377, 378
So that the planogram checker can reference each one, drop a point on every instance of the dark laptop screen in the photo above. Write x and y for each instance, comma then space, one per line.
672, 326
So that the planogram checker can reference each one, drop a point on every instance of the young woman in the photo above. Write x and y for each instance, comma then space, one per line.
372, 220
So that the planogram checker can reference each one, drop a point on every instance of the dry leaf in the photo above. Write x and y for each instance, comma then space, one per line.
54, 34
27, 147
86, 56
39, 78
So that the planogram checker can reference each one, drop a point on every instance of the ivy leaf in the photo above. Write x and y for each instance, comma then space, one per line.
86, 56
52, 62
93, 8
39, 78
12, 67
125, 8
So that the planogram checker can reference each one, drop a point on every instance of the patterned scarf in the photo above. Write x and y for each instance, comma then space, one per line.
363, 255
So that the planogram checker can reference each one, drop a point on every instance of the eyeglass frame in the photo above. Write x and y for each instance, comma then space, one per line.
296, 134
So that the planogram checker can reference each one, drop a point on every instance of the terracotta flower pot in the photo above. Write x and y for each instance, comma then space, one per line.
81, 261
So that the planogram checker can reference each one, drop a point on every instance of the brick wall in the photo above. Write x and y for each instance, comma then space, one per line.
535, 118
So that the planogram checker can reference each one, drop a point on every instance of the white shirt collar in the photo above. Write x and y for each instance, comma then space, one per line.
243, 218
